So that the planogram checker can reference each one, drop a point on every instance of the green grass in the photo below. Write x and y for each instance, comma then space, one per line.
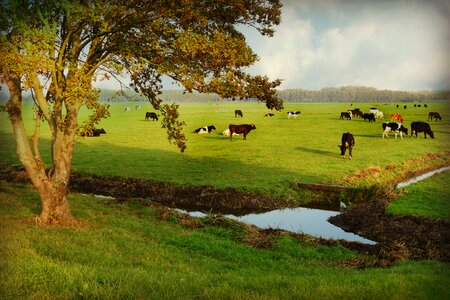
126, 251
279, 152
430, 197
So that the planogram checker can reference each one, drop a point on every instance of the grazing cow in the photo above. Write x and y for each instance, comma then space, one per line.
426, 106
238, 113
293, 114
394, 127
138, 107
269, 115
419, 105
435, 115
346, 115
404, 107
378, 113
243, 128
226, 132
397, 117
126, 109
94, 133
347, 143
356, 113
370, 117
151, 115
421, 127
205, 129
397, 105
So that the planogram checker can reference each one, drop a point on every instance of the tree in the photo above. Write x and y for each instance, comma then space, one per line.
57, 49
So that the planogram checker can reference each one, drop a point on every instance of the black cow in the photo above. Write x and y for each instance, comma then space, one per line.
94, 133
434, 115
238, 113
348, 141
394, 127
346, 115
404, 107
205, 129
243, 128
370, 117
421, 127
151, 115
269, 115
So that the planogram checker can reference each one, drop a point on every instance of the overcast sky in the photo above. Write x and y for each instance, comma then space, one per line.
396, 44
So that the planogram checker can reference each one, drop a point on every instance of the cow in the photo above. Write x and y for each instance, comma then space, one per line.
138, 107
242, 128
397, 117
205, 129
293, 114
404, 107
395, 127
426, 106
347, 143
126, 109
370, 117
94, 133
346, 115
269, 115
356, 113
226, 132
238, 113
151, 115
435, 115
421, 127
378, 113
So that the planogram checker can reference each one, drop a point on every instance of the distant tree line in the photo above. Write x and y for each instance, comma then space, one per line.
339, 94
360, 94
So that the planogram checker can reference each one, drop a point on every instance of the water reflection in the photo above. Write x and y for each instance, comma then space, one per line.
299, 220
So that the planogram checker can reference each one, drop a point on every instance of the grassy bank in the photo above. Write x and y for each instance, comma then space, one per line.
126, 251
429, 197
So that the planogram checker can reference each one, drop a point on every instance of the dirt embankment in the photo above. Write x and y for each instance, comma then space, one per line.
398, 237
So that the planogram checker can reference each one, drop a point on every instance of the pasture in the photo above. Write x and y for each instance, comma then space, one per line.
132, 250
278, 153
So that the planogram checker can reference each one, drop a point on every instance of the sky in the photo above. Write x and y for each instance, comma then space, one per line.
396, 44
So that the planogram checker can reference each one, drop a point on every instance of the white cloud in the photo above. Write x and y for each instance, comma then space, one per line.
394, 45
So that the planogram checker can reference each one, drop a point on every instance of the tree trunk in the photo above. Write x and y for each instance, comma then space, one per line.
52, 186
55, 207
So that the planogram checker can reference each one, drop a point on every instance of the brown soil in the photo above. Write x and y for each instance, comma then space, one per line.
398, 237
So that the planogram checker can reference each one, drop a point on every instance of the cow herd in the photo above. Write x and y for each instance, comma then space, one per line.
395, 126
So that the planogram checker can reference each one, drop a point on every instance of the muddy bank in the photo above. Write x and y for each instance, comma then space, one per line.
398, 237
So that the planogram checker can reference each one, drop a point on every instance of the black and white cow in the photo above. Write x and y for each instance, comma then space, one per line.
348, 141
395, 127
151, 115
205, 129
347, 115
421, 127
293, 114
269, 115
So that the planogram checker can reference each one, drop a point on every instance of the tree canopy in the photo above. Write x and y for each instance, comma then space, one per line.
57, 49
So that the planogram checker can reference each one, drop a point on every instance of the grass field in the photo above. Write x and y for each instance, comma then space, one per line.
279, 152
126, 251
